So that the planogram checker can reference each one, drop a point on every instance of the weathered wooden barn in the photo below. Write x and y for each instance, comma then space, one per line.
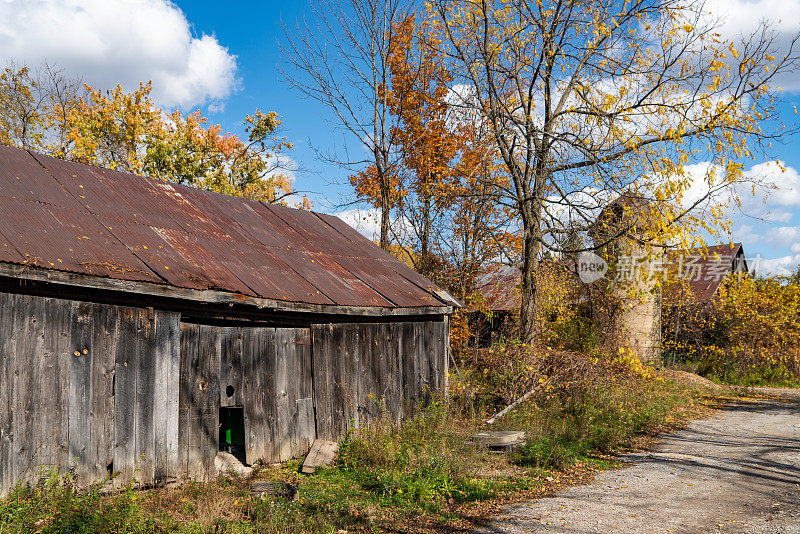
148, 325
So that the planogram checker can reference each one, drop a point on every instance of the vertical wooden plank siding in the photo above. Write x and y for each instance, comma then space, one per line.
144, 401
363, 371
125, 360
7, 351
293, 391
305, 427
100, 456
231, 367
186, 399
270, 370
80, 408
283, 411
105, 388
203, 413
79, 385
259, 353
166, 396
144, 379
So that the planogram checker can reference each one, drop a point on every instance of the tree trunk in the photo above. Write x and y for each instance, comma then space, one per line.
425, 263
385, 222
530, 291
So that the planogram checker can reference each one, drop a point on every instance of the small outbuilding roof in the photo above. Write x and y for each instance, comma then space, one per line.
499, 287
59, 216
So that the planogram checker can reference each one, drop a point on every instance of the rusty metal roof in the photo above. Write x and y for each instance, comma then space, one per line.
499, 287
704, 270
65, 216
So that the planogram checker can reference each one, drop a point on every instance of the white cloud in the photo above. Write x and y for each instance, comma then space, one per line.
106, 42
282, 164
786, 181
783, 266
743, 17
739, 19
746, 234
786, 237
366, 221
767, 191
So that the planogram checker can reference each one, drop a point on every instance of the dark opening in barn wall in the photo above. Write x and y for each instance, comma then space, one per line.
231, 431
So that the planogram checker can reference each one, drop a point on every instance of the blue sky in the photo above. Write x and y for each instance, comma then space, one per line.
252, 31
224, 57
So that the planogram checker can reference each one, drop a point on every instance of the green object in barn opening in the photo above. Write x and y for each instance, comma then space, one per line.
231, 431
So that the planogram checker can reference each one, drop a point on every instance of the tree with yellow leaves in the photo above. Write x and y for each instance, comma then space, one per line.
748, 333
34, 106
589, 100
46, 111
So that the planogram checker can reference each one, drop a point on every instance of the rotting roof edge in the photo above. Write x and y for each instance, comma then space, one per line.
208, 296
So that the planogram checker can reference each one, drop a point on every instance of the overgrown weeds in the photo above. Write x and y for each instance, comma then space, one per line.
54, 505
419, 475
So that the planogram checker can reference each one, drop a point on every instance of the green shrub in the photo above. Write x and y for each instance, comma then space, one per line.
54, 505
597, 413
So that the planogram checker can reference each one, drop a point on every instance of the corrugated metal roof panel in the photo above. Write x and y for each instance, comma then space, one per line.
66, 241
358, 245
266, 274
67, 216
704, 269
500, 288
110, 193
330, 279
385, 281
22, 178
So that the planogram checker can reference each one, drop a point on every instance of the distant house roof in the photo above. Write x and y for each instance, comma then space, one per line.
705, 269
62, 216
500, 285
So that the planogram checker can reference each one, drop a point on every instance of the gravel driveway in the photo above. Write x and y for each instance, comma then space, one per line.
738, 471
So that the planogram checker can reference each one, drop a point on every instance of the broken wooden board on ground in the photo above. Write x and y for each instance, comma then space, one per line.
500, 439
321, 454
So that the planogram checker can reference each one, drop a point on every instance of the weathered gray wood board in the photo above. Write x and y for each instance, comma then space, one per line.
79, 384
199, 399
362, 371
101, 388
265, 370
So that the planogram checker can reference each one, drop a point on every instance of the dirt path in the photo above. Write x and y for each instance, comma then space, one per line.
738, 471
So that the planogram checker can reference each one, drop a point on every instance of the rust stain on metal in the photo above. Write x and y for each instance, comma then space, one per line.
67, 216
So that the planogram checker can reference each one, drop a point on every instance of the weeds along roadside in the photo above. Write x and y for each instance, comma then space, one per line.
422, 474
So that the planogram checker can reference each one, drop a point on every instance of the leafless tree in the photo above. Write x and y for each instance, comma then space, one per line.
342, 61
